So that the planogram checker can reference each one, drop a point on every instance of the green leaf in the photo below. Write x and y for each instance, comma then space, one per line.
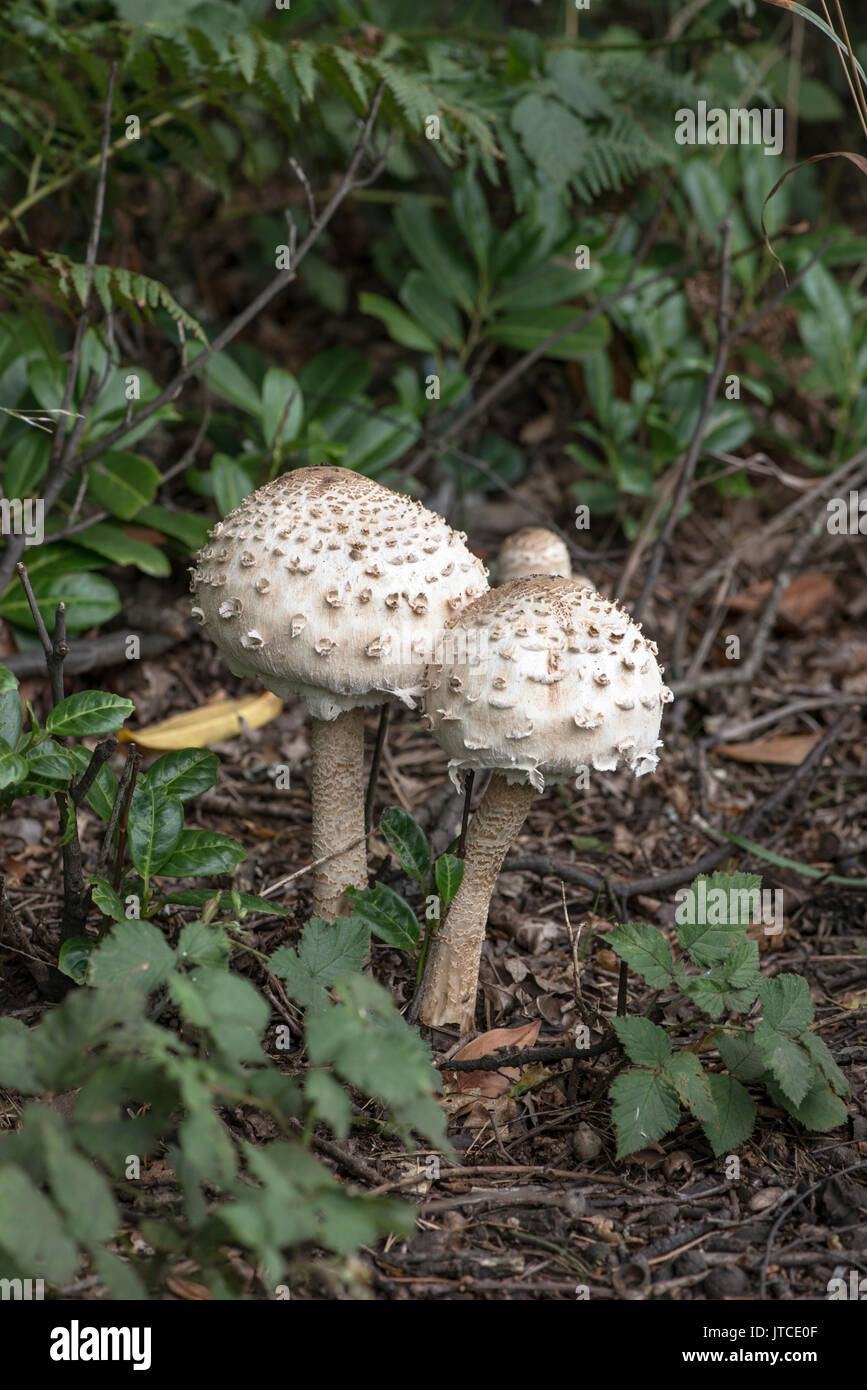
423, 300
204, 943
786, 1003
117, 1275
108, 900
741, 1055
134, 954
472, 216
198, 852
232, 483
736, 1114
90, 600
115, 545
448, 871
74, 958
690, 1080
386, 915
645, 951
327, 952
644, 1107
154, 828
26, 464
786, 1060
371, 1047
89, 712
190, 530
79, 1189
400, 326
11, 716
408, 840
227, 379
820, 1109
282, 406
49, 763
103, 790
554, 139
207, 1146
645, 1044
233, 1011
8, 680
424, 238
16, 1068
123, 483
330, 1102
185, 773
13, 769
32, 1231
197, 897
821, 1056
526, 329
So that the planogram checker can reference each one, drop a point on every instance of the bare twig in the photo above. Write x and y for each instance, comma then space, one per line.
98, 758
119, 802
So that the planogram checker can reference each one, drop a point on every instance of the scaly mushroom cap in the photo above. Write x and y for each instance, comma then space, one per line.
327, 585
543, 679
532, 550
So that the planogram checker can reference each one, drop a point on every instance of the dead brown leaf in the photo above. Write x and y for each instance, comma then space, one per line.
806, 596
494, 1083
790, 750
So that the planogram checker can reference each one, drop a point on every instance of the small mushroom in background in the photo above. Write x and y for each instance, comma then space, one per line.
541, 680
535, 550
327, 585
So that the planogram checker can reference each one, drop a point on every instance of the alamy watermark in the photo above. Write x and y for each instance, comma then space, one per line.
23, 518
737, 126
729, 907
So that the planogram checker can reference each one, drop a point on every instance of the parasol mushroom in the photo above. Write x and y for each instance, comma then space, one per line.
560, 682
327, 585
535, 550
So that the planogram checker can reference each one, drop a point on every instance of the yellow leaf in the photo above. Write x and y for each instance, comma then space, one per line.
198, 728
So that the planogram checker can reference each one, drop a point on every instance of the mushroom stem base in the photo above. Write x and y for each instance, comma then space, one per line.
337, 788
452, 974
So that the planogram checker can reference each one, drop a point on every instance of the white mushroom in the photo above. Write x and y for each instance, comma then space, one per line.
535, 550
549, 680
329, 586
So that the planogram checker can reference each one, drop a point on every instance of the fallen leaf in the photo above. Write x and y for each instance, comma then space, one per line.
542, 427
211, 723
787, 749
803, 599
188, 1289
490, 1084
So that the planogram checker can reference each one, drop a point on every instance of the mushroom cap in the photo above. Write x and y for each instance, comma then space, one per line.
533, 550
326, 584
542, 679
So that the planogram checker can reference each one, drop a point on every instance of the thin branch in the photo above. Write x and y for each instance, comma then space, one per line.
98, 758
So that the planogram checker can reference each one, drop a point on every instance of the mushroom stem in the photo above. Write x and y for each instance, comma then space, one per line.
452, 974
337, 793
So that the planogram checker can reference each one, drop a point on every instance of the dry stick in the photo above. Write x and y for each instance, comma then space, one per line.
70, 460
108, 650
370, 798
802, 1197
76, 893
469, 779
626, 888
778, 523
743, 675
98, 758
520, 1056
119, 801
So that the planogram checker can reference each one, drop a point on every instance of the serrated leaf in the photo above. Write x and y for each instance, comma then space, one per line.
690, 1080
819, 1110
16, 1070
386, 915
741, 1055
644, 1107
32, 1231
821, 1055
645, 1043
736, 1114
134, 954
786, 1003
408, 840
788, 1062
645, 950
326, 953
204, 943
230, 1007
89, 712
79, 1189
330, 1102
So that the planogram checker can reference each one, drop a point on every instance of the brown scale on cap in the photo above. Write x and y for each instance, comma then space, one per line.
539, 680
325, 584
